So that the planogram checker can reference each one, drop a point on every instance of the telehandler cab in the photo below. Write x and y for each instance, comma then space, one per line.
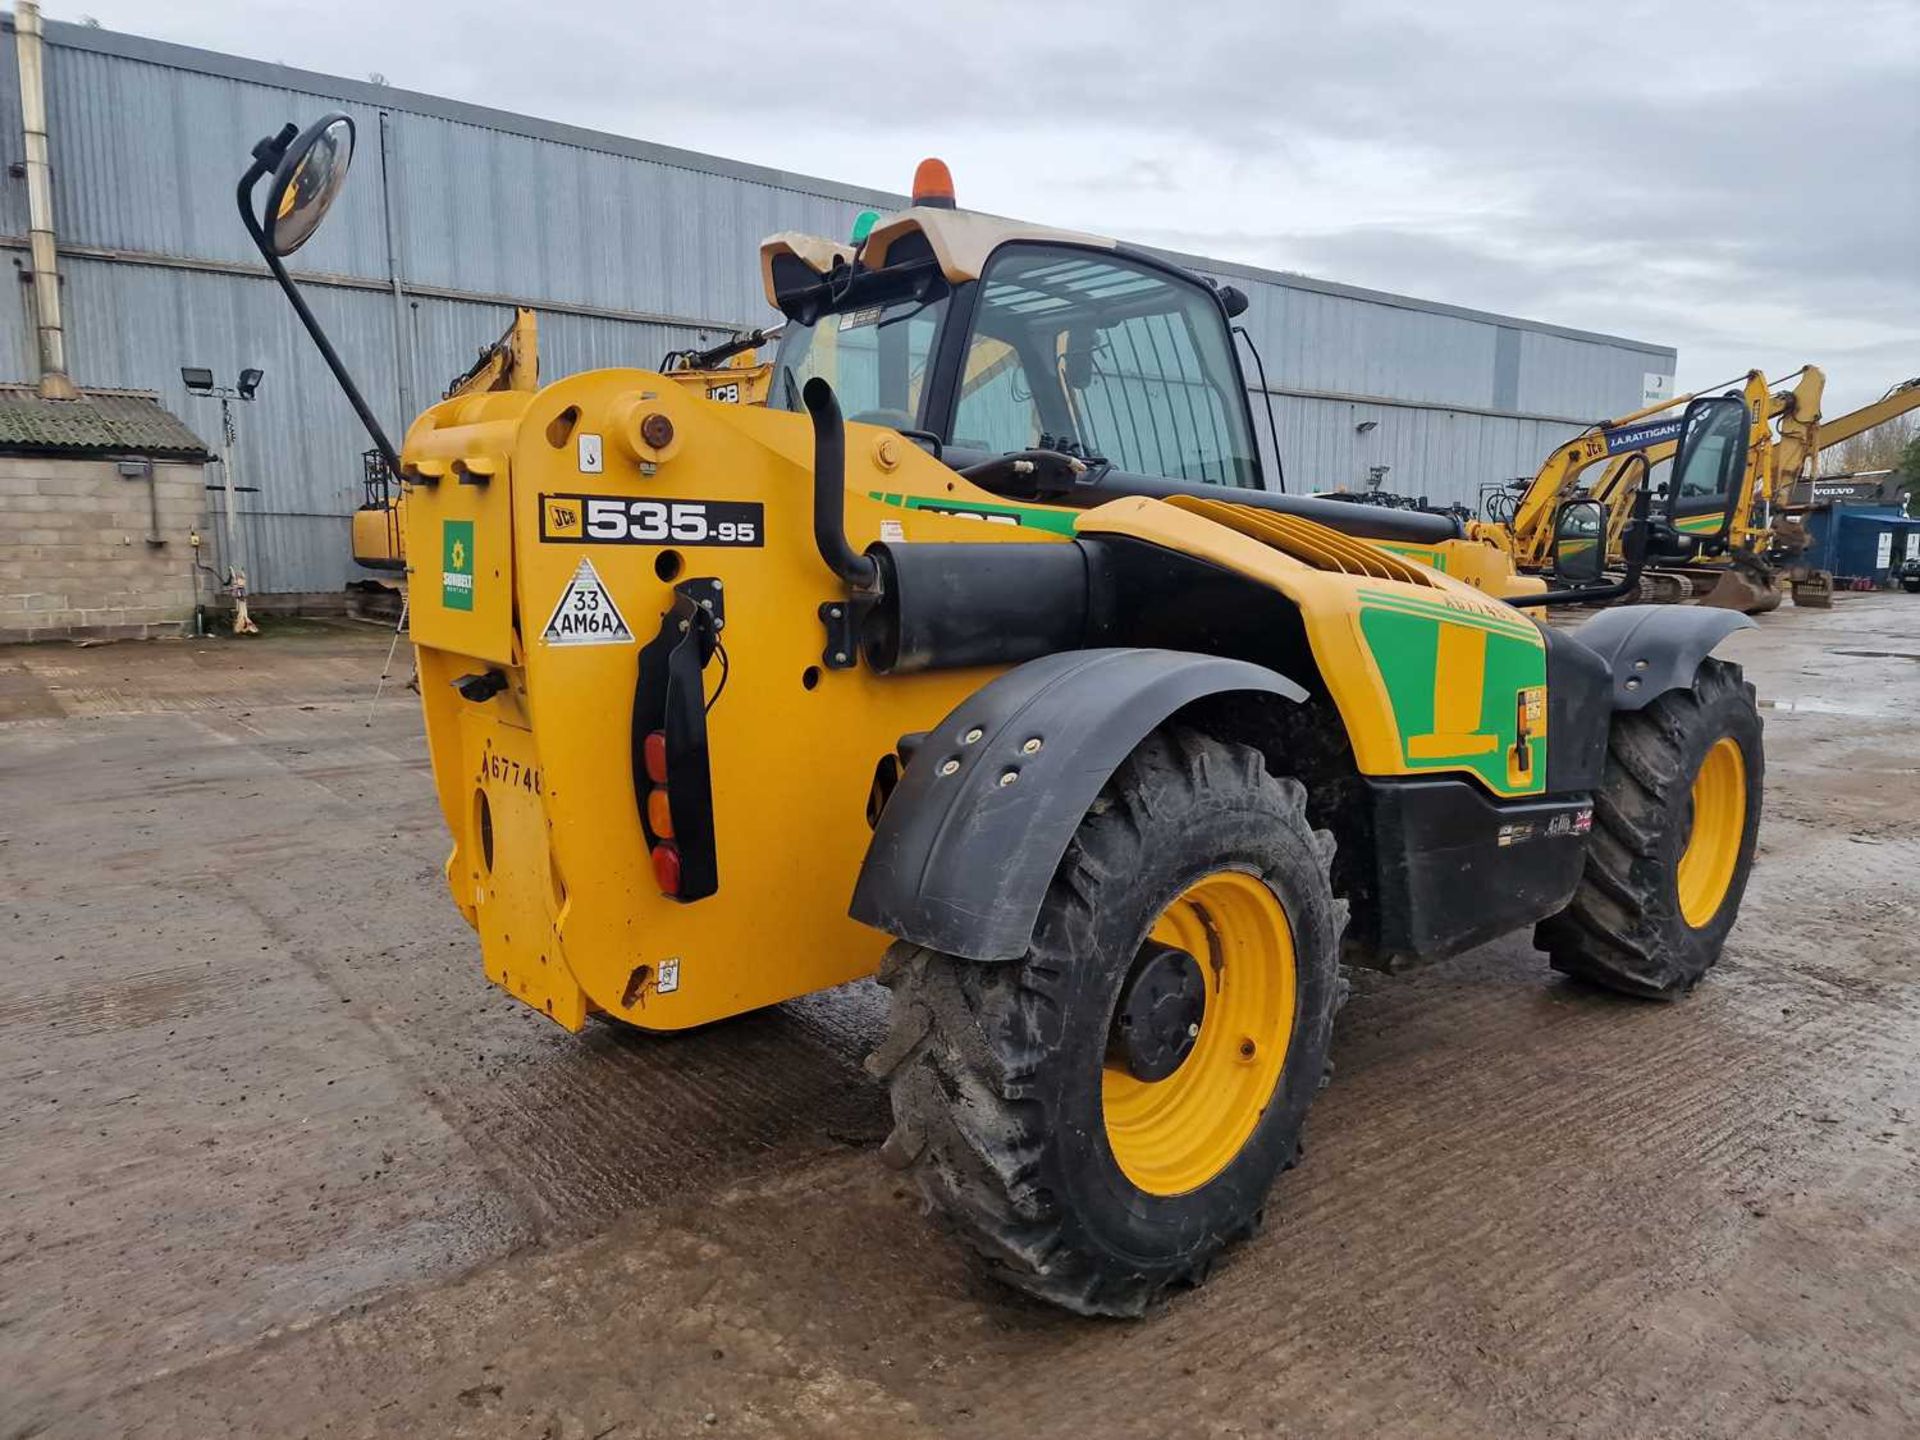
1020, 666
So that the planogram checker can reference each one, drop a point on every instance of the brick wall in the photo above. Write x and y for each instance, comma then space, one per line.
74, 557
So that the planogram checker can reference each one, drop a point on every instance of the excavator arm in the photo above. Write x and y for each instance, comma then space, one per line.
510, 363
1797, 451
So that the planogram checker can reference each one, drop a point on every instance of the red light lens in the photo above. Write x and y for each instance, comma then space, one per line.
653, 751
666, 869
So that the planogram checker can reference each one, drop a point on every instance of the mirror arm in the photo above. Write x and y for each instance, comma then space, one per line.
1633, 544
266, 157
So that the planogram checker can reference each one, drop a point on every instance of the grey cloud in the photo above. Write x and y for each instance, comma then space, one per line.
1731, 183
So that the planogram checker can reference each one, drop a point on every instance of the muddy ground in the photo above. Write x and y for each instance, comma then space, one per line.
276, 1160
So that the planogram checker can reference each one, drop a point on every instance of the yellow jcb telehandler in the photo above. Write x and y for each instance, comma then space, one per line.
983, 660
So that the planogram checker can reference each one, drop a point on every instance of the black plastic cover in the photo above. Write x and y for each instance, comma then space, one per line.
1579, 712
963, 855
1453, 869
1651, 649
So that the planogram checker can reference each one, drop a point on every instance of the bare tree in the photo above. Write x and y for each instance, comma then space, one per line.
1877, 449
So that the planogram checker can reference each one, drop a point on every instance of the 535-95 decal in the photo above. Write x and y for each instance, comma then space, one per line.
612, 520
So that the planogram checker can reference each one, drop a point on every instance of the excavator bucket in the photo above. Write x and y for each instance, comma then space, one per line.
1750, 589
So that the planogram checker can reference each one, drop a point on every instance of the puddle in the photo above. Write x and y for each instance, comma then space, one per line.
1887, 710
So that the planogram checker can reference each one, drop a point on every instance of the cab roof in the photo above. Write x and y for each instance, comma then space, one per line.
961, 240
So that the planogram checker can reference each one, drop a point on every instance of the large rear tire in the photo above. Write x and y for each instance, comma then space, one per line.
1023, 1106
1674, 825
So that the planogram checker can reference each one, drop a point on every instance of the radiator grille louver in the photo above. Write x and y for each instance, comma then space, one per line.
1308, 541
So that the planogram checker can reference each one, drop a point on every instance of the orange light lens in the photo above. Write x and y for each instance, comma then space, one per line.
933, 184
659, 814
653, 751
666, 869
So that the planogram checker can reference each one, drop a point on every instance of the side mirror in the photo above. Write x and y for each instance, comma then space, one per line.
1709, 466
308, 167
1233, 300
1580, 542
306, 181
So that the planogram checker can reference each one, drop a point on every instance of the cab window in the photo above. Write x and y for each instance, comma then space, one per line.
1103, 356
875, 358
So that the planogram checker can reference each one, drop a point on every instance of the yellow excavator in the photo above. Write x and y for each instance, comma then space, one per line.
1744, 551
730, 372
1763, 540
1796, 463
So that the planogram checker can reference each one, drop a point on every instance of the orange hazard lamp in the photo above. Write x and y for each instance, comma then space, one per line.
933, 184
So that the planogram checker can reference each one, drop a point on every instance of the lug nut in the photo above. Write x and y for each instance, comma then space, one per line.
947, 767
1007, 777
972, 736
1031, 746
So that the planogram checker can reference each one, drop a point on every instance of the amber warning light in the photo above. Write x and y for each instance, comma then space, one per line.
933, 184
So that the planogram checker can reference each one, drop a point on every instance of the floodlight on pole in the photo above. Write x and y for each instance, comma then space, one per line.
199, 380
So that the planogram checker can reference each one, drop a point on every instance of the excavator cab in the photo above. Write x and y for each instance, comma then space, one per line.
1709, 471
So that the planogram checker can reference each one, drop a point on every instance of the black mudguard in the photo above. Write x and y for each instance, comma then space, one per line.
1651, 649
962, 856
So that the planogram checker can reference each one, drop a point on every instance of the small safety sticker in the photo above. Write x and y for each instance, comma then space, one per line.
669, 976
586, 614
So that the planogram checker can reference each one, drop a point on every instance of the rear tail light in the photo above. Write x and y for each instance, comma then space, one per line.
666, 868
672, 779
654, 749
657, 809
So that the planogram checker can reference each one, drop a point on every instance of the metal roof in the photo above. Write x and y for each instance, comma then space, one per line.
287, 77
100, 422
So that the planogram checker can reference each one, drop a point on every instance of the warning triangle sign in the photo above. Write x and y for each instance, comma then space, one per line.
586, 614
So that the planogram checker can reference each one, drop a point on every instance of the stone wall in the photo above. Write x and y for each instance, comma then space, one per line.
75, 558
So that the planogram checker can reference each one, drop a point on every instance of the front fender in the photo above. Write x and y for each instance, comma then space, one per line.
1652, 649
963, 855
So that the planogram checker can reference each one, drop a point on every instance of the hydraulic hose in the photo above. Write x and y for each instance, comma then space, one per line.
830, 488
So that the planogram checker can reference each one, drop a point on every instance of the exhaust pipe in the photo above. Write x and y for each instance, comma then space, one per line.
54, 381
830, 489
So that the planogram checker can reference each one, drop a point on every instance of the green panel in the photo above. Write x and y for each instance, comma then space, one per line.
456, 564
1404, 636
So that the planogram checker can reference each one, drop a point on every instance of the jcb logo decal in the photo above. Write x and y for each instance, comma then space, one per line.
563, 517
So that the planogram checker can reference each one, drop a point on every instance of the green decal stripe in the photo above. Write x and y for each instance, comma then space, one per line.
1058, 521
1428, 610
1700, 524
1426, 555
1406, 647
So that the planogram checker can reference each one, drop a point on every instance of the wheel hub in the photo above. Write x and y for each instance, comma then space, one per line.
1161, 1007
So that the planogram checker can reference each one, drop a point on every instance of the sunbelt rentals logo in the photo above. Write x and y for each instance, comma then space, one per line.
456, 564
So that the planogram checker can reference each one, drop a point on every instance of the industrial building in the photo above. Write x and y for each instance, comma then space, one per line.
626, 249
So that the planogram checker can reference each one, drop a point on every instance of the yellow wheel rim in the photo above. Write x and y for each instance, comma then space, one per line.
1719, 804
1174, 1135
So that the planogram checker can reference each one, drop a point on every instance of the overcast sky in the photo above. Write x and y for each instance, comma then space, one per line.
1739, 181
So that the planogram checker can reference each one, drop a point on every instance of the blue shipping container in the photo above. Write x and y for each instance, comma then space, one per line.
1862, 541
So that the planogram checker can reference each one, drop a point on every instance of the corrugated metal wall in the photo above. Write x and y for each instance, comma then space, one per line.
627, 249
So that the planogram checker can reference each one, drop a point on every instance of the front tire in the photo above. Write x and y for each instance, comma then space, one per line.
1021, 1113
1675, 821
